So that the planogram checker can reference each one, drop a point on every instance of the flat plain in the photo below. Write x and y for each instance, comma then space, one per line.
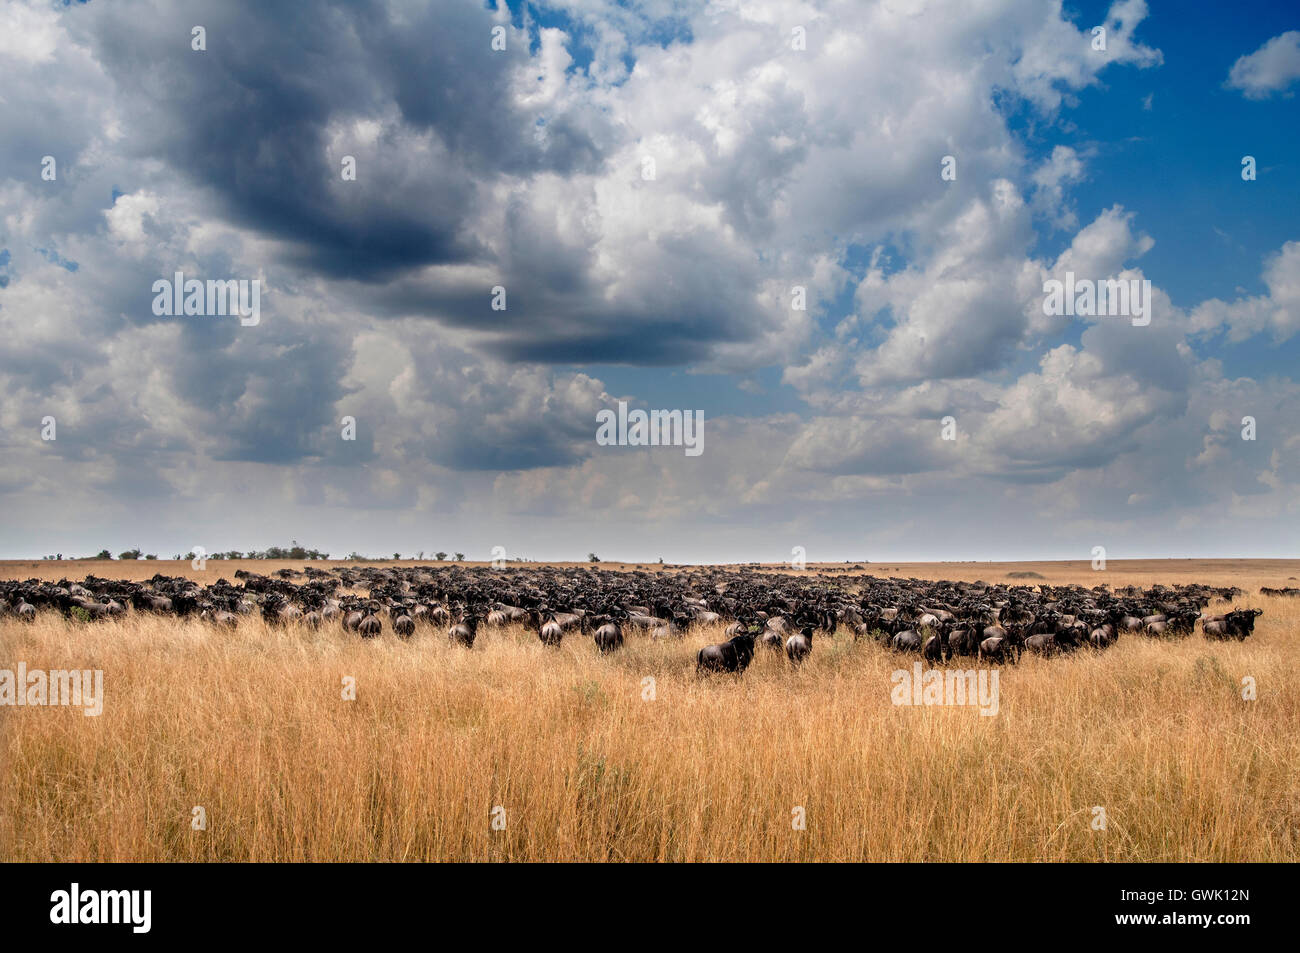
513, 751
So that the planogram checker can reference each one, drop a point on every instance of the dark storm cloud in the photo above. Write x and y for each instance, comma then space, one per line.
253, 119
463, 414
266, 398
684, 295
262, 119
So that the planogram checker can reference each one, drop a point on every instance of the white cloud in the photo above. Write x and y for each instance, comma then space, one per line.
1270, 69
1277, 312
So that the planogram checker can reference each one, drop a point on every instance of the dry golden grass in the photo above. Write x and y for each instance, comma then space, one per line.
251, 726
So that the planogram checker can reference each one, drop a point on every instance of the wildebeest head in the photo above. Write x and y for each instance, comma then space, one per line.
1244, 619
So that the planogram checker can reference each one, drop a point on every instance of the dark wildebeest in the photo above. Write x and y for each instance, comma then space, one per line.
674, 628
1103, 636
730, 656
1041, 643
404, 626
548, 630
962, 642
1127, 622
935, 647
906, 641
608, 636
464, 631
1179, 624
998, 645
799, 646
370, 627
1237, 624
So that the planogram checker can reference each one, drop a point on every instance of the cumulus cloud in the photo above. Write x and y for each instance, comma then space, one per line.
1277, 312
1270, 69
1063, 168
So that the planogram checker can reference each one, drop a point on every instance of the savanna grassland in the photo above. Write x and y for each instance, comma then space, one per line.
250, 724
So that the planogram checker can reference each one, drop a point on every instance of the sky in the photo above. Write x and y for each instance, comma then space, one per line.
645, 190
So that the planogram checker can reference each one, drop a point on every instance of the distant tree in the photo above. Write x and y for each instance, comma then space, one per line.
397, 555
104, 554
420, 554
440, 556
130, 554
592, 558
460, 557
661, 560
151, 556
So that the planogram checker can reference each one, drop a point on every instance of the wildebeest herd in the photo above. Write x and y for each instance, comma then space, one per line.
761, 610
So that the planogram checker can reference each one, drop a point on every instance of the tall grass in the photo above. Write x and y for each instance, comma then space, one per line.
251, 726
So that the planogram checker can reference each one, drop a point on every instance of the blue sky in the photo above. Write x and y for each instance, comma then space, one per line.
523, 168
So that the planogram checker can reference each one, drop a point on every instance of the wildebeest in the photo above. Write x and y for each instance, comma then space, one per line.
1237, 624
906, 641
549, 632
998, 645
404, 626
962, 641
464, 631
733, 655
674, 628
1179, 624
1041, 643
1103, 636
935, 647
799, 646
608, 636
